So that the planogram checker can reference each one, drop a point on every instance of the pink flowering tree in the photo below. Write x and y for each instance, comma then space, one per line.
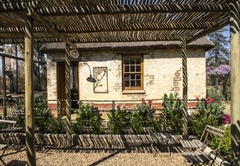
220, 77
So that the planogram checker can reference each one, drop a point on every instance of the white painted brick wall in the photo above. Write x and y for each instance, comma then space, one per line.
160, 67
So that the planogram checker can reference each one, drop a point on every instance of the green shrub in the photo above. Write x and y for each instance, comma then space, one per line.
173, 113
42, 114
56, 126
209, 112
142, 116
197, 123
119, 119
158, 124
216, 94
44, 121
88, 120
225, 148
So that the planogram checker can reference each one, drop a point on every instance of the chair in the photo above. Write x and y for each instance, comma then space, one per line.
5, 145
196, 148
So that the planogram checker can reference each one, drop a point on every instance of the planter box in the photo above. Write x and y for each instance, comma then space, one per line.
91, 141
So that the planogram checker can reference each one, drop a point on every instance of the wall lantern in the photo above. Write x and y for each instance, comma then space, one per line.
74, 53
90, 78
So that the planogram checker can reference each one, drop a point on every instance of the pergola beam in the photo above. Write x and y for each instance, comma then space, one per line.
209, 30
50, 29
18, 58
116, 9
13, 31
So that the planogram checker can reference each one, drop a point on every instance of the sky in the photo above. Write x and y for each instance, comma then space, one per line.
227, 34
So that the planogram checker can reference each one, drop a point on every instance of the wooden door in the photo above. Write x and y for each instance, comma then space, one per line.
61, 86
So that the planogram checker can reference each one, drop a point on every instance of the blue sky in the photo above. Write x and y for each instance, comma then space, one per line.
227, 34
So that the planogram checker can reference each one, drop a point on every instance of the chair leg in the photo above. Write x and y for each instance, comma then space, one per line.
2, 161
4, 149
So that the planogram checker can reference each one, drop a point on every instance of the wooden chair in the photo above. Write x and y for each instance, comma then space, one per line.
195, 149
4, 146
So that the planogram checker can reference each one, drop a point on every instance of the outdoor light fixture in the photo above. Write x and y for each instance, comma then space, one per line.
90, 78
74, 53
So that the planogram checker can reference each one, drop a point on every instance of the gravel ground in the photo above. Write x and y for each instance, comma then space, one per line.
76, 157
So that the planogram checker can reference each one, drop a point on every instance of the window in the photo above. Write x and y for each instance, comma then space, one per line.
133, 72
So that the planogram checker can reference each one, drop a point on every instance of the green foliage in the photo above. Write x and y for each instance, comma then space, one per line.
42, 114
173, 113
87, 119
44, 121
197, 123
20, 121
216, 94
118, 120
157, 124
210, 109
56, 125
225, 148
209, 112
142, 116
219, 53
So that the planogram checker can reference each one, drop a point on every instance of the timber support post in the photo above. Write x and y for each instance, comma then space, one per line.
4, 88
185, 87
68, 95
235, 82
29, 93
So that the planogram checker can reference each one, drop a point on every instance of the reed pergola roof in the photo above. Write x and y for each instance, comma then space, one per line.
93, 21
87, 21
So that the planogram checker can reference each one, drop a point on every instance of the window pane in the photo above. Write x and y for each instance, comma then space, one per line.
138, 76
132, 68
127, 83
133, 83
132, 77
126, 68
132, 61
126, 61
138, 69
126, 77
138, 61
138, 83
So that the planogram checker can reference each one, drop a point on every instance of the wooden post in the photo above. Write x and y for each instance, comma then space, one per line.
16, 83
4, 88
68, 96
235, 82
29, 93
185, 88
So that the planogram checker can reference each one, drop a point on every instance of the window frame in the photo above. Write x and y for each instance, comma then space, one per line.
124, 57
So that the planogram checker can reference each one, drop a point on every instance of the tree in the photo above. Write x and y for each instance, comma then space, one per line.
14, 69
220, 53
221, 74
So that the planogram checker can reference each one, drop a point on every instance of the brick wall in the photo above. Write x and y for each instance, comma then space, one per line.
162, 74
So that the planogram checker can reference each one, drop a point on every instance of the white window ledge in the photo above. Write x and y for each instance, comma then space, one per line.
133, 91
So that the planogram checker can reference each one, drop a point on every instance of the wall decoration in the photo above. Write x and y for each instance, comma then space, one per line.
100, 74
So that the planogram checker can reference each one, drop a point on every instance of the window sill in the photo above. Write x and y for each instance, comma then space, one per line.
133, 92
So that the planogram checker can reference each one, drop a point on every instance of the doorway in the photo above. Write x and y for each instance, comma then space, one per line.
73, 85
